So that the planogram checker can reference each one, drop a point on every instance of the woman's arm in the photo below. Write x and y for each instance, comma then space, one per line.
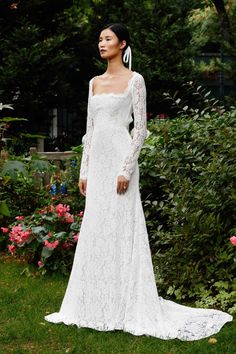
140, 126
88, 137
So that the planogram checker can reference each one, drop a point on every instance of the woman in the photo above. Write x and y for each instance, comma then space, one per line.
112, 284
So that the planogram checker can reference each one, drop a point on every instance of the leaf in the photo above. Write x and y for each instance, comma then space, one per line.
212, 340
8, 106
60, 235
38, 230
11, 168
46, 252
12, 119
40, 165
28, 135
4, 210
207, 94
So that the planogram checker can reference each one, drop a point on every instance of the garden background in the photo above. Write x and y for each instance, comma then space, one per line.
48, 52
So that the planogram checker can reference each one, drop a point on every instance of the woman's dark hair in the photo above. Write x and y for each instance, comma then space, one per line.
120, 31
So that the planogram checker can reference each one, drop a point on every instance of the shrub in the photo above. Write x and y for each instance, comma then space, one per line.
188, 181
47, 237
22, 189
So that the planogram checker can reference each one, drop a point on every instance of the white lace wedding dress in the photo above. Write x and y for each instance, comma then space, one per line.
112, 284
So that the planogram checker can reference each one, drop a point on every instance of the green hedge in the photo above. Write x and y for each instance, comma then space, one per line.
188, 187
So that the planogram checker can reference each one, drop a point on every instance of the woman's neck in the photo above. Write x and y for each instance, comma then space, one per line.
115, 66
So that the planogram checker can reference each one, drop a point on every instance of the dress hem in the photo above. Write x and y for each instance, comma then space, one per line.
136, 332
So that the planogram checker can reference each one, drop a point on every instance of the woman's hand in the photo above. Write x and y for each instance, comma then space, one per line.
82, 186
122, 184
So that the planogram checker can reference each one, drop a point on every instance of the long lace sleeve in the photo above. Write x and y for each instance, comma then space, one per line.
140, 126
88, 138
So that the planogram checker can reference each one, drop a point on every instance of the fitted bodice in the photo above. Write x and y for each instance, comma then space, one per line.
112, 108
111, 111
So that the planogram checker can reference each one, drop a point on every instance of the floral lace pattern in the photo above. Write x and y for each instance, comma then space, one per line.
112, 283
140, 127
88, 138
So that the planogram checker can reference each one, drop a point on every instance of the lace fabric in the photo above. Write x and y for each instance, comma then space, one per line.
112, 283
88, 137
140, 127
138, 91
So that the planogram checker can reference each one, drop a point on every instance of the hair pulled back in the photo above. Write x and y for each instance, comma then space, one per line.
120, 31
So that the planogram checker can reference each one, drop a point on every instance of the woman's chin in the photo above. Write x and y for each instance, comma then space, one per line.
104, 55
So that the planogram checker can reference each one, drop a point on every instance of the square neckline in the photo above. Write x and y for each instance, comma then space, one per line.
113, 93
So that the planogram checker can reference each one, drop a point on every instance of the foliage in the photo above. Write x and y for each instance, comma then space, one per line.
209, 30
188, 180
22, 188
5, 122
47, 237
40, 68
18, 177
53, 41
66, 186
21, 191
193, 100
4, 210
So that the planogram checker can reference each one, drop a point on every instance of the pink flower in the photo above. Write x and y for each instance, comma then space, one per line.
25, 235
49, 234
12, 248
51, 244
162, 116
67, 245
69, 218
233, 240
18, 235
40, 264
81, 213
61, 210
15, 234
20, 217
76, 237
4, 229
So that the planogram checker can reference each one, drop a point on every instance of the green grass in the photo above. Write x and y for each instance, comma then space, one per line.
26, 298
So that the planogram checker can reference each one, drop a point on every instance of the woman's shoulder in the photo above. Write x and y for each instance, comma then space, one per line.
92, 79
138, 76
138, 80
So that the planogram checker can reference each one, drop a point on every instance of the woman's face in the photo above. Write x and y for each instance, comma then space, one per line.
109, 44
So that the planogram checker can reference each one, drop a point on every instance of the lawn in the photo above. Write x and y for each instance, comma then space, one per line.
25, 298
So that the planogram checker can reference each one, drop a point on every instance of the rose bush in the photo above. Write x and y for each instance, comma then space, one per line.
47, 237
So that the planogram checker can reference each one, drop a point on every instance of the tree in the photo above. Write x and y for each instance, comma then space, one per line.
214, 25
224, 19
49, 52
39, 64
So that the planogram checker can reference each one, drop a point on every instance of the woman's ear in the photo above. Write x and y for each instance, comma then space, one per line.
122, 44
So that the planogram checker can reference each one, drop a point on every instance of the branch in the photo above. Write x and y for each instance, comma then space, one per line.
224, 19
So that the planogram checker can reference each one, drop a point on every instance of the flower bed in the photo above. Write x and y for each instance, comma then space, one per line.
47, 238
